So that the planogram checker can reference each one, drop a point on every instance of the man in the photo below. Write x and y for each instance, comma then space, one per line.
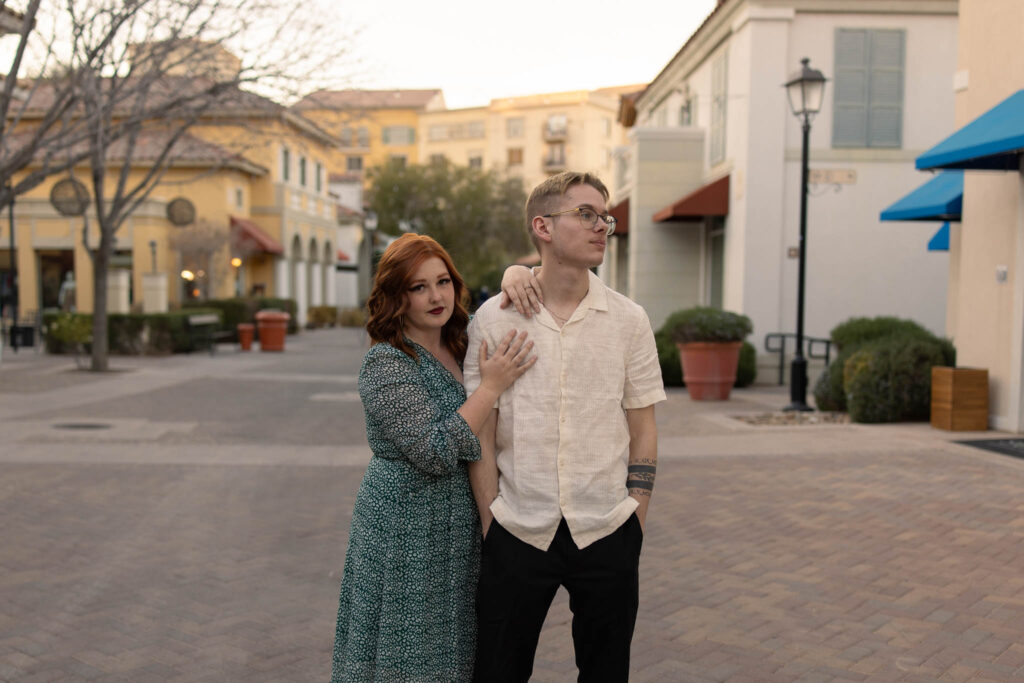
569, 454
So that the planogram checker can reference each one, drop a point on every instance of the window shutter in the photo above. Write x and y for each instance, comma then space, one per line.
384, 134
885, 116
850, 123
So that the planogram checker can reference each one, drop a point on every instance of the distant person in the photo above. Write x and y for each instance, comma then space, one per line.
569, 454
66, 295
406, 611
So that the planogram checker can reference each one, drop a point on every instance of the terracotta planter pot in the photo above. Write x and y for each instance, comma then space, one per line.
709, 368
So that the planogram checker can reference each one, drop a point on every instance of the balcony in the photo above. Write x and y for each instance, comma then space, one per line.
556, 133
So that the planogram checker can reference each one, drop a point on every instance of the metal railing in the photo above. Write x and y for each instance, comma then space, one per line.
811, 344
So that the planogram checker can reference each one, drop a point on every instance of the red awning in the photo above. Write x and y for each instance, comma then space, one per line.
248, 234
620, 212
710, 200
342, 256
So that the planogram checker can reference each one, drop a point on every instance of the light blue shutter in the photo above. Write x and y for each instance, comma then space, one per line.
885, 114
850, 122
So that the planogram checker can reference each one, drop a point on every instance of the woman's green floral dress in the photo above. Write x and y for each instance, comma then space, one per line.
406, 612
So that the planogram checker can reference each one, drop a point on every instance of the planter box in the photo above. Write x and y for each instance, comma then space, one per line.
959, 399
709, 368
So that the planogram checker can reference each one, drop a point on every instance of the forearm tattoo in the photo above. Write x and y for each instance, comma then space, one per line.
640, 477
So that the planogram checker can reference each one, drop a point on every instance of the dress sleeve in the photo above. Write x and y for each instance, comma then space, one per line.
404, 414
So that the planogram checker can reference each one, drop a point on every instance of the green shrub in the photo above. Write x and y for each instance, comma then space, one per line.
856, 332
232, 312
127, 334
832, 391
352, 317
322, 316
889, 380
828, 391
706, 324
746, 371
62, 331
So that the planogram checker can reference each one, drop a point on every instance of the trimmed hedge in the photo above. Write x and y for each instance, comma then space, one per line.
127, 334
706, 324
322, 316
882, 372
890, 380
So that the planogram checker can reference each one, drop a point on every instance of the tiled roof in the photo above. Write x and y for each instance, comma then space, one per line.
187, 150
367, 99
229, 101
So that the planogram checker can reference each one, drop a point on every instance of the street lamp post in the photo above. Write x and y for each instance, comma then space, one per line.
806, 90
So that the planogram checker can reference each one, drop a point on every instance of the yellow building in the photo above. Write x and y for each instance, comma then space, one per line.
253, 176
532, 136
372, 126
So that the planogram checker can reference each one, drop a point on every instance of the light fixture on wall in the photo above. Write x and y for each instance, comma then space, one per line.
806, 90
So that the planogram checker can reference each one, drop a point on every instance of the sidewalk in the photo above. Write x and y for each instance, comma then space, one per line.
184, 519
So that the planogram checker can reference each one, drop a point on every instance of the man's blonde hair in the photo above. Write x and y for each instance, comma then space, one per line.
544, 197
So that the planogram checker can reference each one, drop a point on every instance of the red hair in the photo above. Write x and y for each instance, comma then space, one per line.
387, 303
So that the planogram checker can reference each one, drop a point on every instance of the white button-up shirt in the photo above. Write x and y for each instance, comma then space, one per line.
562, 441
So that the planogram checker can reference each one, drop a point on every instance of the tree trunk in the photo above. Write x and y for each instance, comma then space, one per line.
100, 266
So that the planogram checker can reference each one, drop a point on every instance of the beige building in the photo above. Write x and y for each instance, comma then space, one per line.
985, 302
530, 137
373, 126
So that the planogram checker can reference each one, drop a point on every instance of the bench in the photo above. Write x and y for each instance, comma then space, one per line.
775, 342
204, 331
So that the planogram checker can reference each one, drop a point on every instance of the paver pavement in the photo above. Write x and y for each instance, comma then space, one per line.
191, 526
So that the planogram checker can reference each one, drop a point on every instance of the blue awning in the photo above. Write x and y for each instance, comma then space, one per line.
940, 199
940, 240
993, 141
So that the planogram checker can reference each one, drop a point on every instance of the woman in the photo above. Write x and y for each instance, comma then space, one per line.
406, 611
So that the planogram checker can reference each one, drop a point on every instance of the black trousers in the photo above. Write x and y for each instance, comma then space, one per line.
518, 583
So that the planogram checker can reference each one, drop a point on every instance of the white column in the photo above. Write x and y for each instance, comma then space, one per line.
300, 295
318, 295
154, 292
281, 277
332, 287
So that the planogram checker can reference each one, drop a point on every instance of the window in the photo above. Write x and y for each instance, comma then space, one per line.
556, 153
347, 135
364, 136
354, 164
399, 160
398, 135
302, 171
515, 156
239, 198
319, 177
437, 158
719, 98
438, 133
661, 117
514, 127
476, 159
558, 124
868, 93
476, 129
688, 112
286, 164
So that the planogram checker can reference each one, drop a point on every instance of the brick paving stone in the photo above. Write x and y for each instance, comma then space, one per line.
885, 554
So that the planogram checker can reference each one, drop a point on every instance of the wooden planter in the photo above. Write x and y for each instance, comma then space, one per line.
709, 368
959, 399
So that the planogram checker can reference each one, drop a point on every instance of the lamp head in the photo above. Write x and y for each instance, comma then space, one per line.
806, 90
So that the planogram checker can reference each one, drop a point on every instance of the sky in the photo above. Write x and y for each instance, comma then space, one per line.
476, 50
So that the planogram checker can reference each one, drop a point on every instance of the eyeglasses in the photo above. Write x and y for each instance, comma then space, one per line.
588, 217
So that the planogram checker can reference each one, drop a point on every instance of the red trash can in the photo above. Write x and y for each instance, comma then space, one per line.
245, 335
272, 326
